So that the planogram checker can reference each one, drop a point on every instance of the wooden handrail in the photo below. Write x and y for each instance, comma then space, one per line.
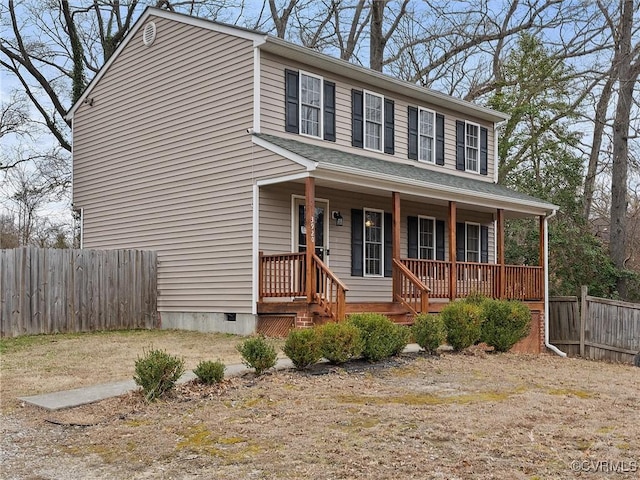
524, 282
330, 292
412, 293
432, 273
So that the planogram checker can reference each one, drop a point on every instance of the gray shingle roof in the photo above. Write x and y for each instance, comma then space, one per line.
329, 156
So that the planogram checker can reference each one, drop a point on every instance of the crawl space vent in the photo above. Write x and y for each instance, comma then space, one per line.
149, 34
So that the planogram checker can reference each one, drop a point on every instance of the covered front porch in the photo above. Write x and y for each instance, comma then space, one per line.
423, 277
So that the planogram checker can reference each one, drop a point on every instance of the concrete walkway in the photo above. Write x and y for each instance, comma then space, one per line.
82, 396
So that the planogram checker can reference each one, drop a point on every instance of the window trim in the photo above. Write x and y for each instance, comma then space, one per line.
433, 137
320, 108
433, 236
365, 121
466, 241
364, 243
477, 148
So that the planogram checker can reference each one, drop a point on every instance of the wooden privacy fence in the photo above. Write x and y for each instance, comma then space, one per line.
58, 290
595, 328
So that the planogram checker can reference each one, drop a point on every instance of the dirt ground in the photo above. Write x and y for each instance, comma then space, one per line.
451, 417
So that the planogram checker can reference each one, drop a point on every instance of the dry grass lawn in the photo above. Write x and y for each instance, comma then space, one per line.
453, 417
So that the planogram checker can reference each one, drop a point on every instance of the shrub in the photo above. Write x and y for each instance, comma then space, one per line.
339, 342
463, 321
209, 372
303, 347
157, 373
505, 323
381, 338
429, 331
258, 354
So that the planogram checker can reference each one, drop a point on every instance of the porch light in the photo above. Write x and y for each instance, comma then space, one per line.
337, 217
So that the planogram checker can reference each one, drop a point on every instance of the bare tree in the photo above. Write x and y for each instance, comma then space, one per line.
627, 63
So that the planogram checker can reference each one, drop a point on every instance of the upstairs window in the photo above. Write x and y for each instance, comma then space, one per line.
426, 135
310, 105
372, 121
471, 147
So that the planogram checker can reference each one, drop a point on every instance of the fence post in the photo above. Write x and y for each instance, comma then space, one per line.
583, 316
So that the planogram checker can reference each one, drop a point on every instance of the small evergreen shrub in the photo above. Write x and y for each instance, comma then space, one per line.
258, 354
303, 347
381, 338
505, 323
209, 372
339, 342
157, 373
463, 322
429, 331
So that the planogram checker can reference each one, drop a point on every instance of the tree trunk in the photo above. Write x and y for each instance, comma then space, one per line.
377, 38
619, 173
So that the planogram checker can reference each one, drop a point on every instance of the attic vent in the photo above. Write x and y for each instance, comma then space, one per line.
149, 34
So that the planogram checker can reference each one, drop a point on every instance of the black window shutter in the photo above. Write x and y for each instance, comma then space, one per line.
439, 239
413, 133
439, 139
412, 237
461, 238
460, 163
484, 244
291, 114
357, 119
484, 154
357, 230
330, 111
389, 129
388, 245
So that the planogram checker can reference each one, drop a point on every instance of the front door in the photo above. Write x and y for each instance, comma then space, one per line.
322, 227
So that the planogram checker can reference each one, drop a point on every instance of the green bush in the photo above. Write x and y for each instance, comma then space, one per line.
339, 342
381, 338
463, 322
157, 373
429, 331
258, 354
303, 347
209, 372
505, 323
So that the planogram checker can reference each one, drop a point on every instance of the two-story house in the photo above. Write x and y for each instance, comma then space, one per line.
210, 143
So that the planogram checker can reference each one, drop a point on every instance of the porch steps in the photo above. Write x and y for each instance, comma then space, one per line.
396, 312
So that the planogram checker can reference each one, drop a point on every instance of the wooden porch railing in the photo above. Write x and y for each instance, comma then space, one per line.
524, 282
411, 292
330, 292
282, 275
432, 273
521, 282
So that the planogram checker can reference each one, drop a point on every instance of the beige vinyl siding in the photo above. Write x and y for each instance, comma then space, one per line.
272, 117
162, 161
276, 234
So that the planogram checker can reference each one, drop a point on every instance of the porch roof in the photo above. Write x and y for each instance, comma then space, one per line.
405, 174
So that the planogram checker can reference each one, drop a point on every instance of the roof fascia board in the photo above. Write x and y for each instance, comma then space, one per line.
256, 38
299, 159
393, 183
289, 50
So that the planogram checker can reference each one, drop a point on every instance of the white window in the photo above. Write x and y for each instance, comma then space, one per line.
310, 105
373, 121
373, 242
426, 135
472, 250
472, 147
426, 238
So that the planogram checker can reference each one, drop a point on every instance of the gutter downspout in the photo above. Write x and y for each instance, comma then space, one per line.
553, 348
